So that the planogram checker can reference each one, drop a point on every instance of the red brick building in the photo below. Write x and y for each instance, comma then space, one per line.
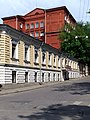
43, 24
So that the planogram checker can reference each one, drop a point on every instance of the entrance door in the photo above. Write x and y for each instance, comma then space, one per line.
13, 76
42, 77
35, 76
26, 76
48, 76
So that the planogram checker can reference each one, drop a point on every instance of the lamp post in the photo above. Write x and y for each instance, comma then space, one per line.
41, 45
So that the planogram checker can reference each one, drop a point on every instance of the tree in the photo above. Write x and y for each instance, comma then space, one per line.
76, 41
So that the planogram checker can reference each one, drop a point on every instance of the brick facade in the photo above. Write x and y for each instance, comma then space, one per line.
43, 24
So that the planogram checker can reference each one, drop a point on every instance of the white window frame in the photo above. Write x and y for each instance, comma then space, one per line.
32, 34
50, 56
43, 57
36, 55
55, 60
16, 50
36, 34
36, 25
42, 34
26, 53
41, 24
21, 25
27, 26
59, 60
31, 25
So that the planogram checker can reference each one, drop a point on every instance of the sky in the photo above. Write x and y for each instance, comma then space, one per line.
78, 8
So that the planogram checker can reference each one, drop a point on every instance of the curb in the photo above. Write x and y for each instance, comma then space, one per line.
16, 90
36, 86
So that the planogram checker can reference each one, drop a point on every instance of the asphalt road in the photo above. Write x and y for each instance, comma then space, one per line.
69, 100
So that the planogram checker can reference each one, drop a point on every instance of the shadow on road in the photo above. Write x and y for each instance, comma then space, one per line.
60, 112
75, 88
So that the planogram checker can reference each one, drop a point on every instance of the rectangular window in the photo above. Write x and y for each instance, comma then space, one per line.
41, 24
36, 25
32, 34
43, 57
13, 50
26, 52
31, 25
42, 34
58, 61
36, 55
27, 26
55, 60
37, 34
49, 58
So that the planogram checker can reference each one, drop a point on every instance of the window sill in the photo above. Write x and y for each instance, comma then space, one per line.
26, 61
36, 63
49, 65
14, 59
43, 64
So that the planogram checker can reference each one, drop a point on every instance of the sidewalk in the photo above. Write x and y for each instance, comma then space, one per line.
8, 89
15, 88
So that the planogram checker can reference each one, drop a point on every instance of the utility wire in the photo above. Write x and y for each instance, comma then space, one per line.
80, 10
87, 10
83, 10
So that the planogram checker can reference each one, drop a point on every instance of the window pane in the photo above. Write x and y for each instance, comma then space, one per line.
43, 56
13, 50
42, 24
26, 52
27, 26
32, 34
32, 25
37, 25
42, 34
21, 25
37, 34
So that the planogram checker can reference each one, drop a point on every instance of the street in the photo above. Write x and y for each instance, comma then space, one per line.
69, 100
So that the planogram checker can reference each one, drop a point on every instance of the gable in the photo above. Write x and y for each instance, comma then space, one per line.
35, 11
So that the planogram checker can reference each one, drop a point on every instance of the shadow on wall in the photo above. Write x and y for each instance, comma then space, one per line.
60, 112
75, 88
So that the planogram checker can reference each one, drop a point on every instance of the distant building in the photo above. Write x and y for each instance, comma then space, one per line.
43, 24
26, 59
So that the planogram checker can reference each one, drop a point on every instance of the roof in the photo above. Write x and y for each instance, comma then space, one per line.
12, 17
61, 8
35, 10
47, 10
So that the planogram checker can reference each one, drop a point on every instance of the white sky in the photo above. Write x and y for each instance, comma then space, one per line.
77, 8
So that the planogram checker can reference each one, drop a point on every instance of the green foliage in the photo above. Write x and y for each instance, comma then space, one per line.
76, 41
